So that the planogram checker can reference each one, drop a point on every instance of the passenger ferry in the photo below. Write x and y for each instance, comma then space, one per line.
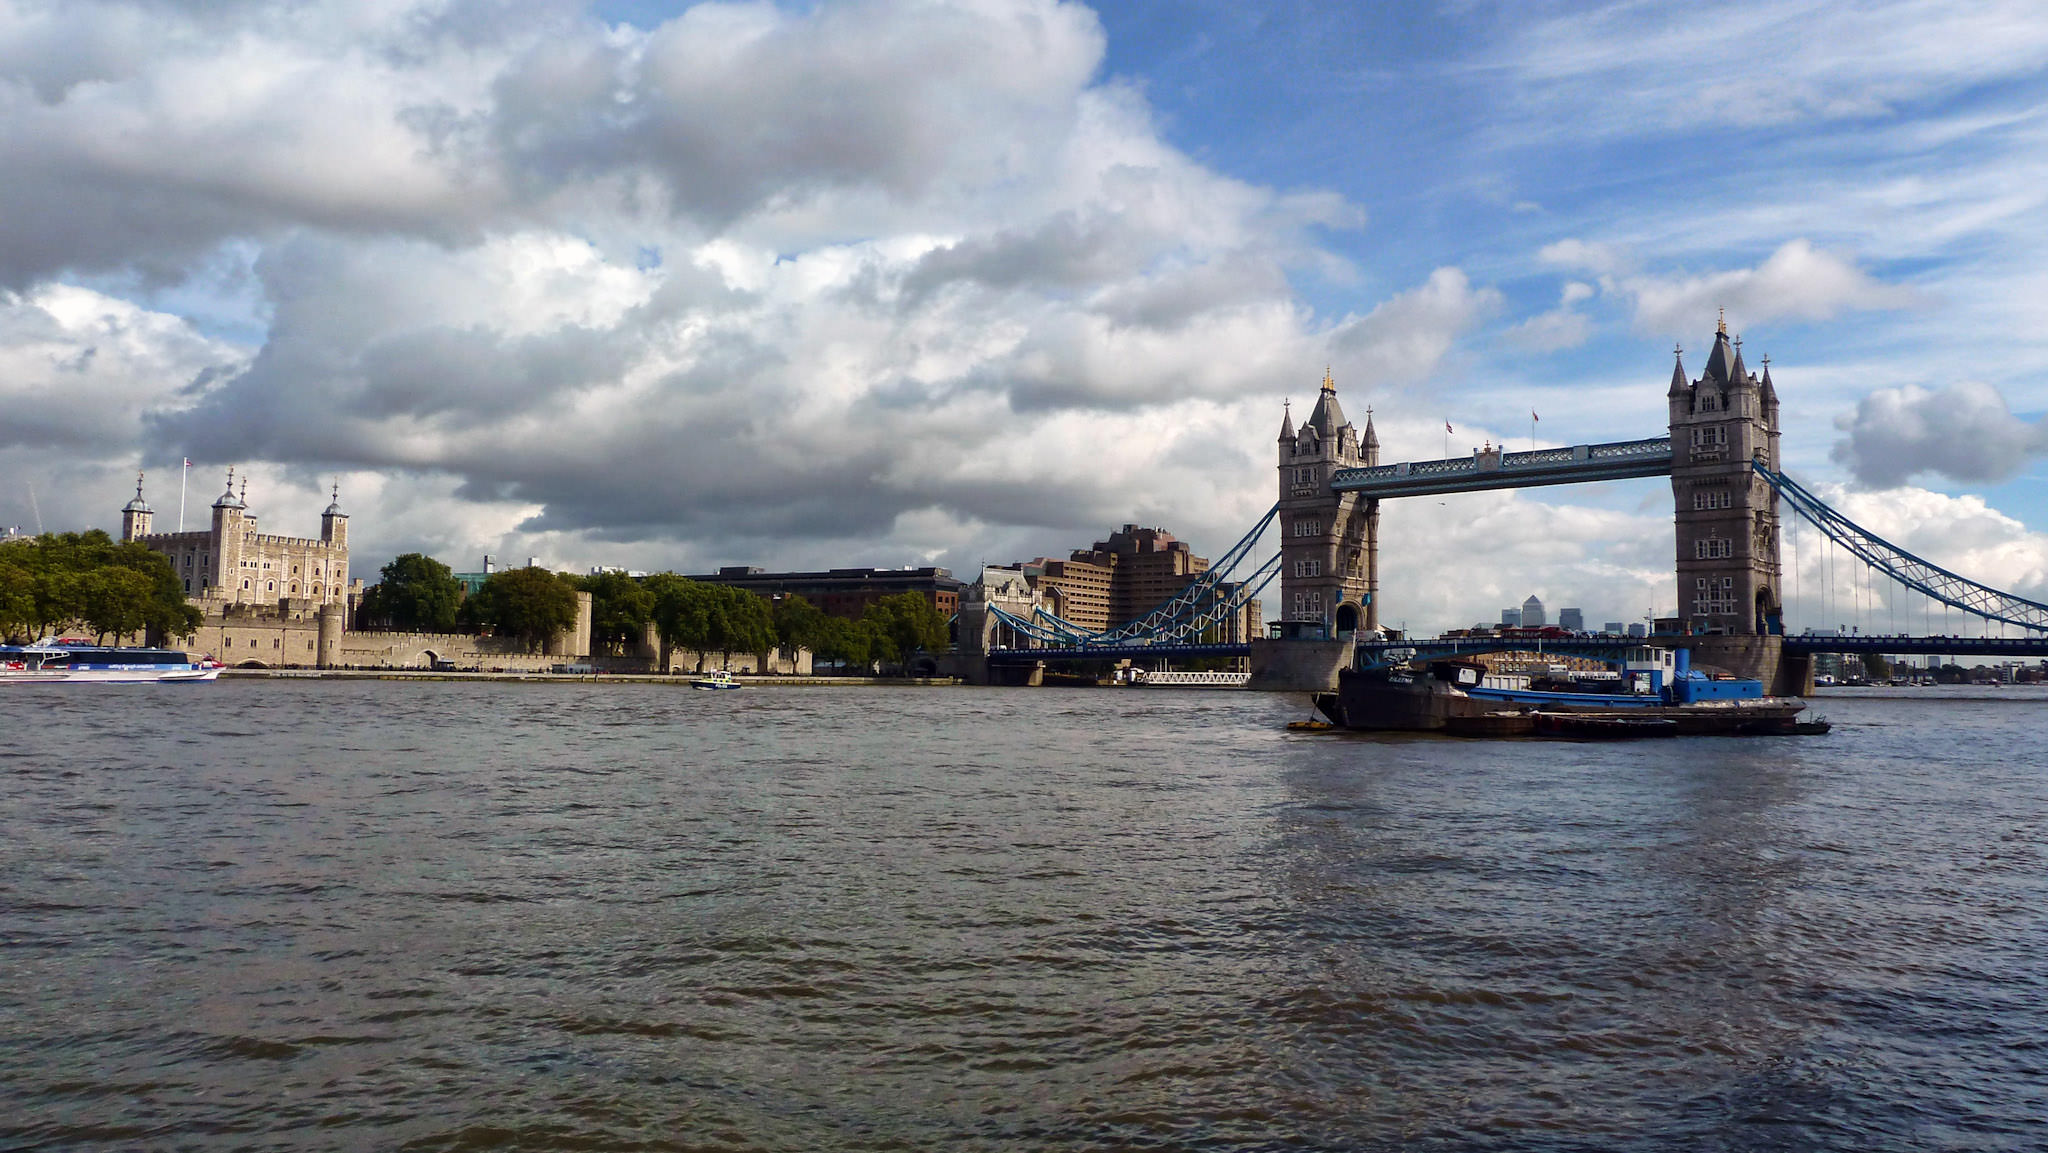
64, 662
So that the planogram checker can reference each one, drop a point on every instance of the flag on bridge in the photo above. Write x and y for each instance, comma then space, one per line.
1448, 430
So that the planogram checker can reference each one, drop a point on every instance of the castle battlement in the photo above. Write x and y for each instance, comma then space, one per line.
228, 566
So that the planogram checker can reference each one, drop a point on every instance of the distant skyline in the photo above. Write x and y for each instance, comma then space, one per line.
884, 283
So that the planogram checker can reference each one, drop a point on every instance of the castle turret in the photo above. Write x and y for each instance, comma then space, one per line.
136, 516
334, 522
230, 542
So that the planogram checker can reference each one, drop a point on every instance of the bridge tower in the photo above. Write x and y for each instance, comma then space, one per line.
1729, 578
1329, 545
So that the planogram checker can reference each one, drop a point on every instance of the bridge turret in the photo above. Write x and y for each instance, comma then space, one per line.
1329, 540
1729, 575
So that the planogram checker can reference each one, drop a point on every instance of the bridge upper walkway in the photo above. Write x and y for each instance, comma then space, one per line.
1615, 460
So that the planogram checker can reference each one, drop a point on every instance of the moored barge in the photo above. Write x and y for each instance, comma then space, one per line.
1657, 694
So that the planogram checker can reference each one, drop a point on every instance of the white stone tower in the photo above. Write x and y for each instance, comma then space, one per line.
231, 540
136, 516
334, 523
1729, 576
1329, 551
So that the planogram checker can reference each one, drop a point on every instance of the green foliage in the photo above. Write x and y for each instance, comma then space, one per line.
61, 579
743, 622
851, 642
532, 604
798, 622
620, 608
414, 593
905, 625
17, 599
1876, 668
709, 618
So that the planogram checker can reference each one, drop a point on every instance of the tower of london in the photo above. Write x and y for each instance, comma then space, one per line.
231, 562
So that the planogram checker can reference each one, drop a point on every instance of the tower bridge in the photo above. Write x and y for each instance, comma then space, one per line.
1729, 491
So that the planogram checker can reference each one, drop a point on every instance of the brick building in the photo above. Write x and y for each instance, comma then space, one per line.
846, 592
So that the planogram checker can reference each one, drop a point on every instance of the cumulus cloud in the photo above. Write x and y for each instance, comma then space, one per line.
845, 283
78, 368
1960, 533
1964, 431
1797, 281
1560, 328
1407, 337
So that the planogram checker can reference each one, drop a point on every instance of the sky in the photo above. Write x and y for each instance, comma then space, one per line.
905, 282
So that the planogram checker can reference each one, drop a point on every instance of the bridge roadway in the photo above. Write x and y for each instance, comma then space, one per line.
2035, 646
1597, 648
1374, 653
1616, 460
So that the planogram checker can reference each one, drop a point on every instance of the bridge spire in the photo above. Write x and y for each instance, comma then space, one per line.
1287, 420
1678, 385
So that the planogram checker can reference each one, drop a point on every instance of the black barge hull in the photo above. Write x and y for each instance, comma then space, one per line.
1379, 702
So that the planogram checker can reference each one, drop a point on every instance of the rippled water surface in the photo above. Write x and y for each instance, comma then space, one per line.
371, 915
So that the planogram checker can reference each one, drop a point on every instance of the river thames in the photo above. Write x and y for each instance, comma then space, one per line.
299, 915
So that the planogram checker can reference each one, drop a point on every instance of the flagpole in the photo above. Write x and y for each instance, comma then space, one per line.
183, 474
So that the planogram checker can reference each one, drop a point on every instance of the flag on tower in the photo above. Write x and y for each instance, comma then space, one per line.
1448, 430
1532, 414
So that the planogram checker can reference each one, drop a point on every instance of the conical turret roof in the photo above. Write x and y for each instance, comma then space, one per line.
1287, 422
228, 499
1721, 361
1678, 381
1328, 416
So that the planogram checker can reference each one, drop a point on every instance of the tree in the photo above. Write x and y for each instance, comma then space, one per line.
532, 604
740, 623
906, 624
798, 622
620, 608
414, 593
847, 642
114, 601
61, 579
17, 597
681, 614
165, 611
